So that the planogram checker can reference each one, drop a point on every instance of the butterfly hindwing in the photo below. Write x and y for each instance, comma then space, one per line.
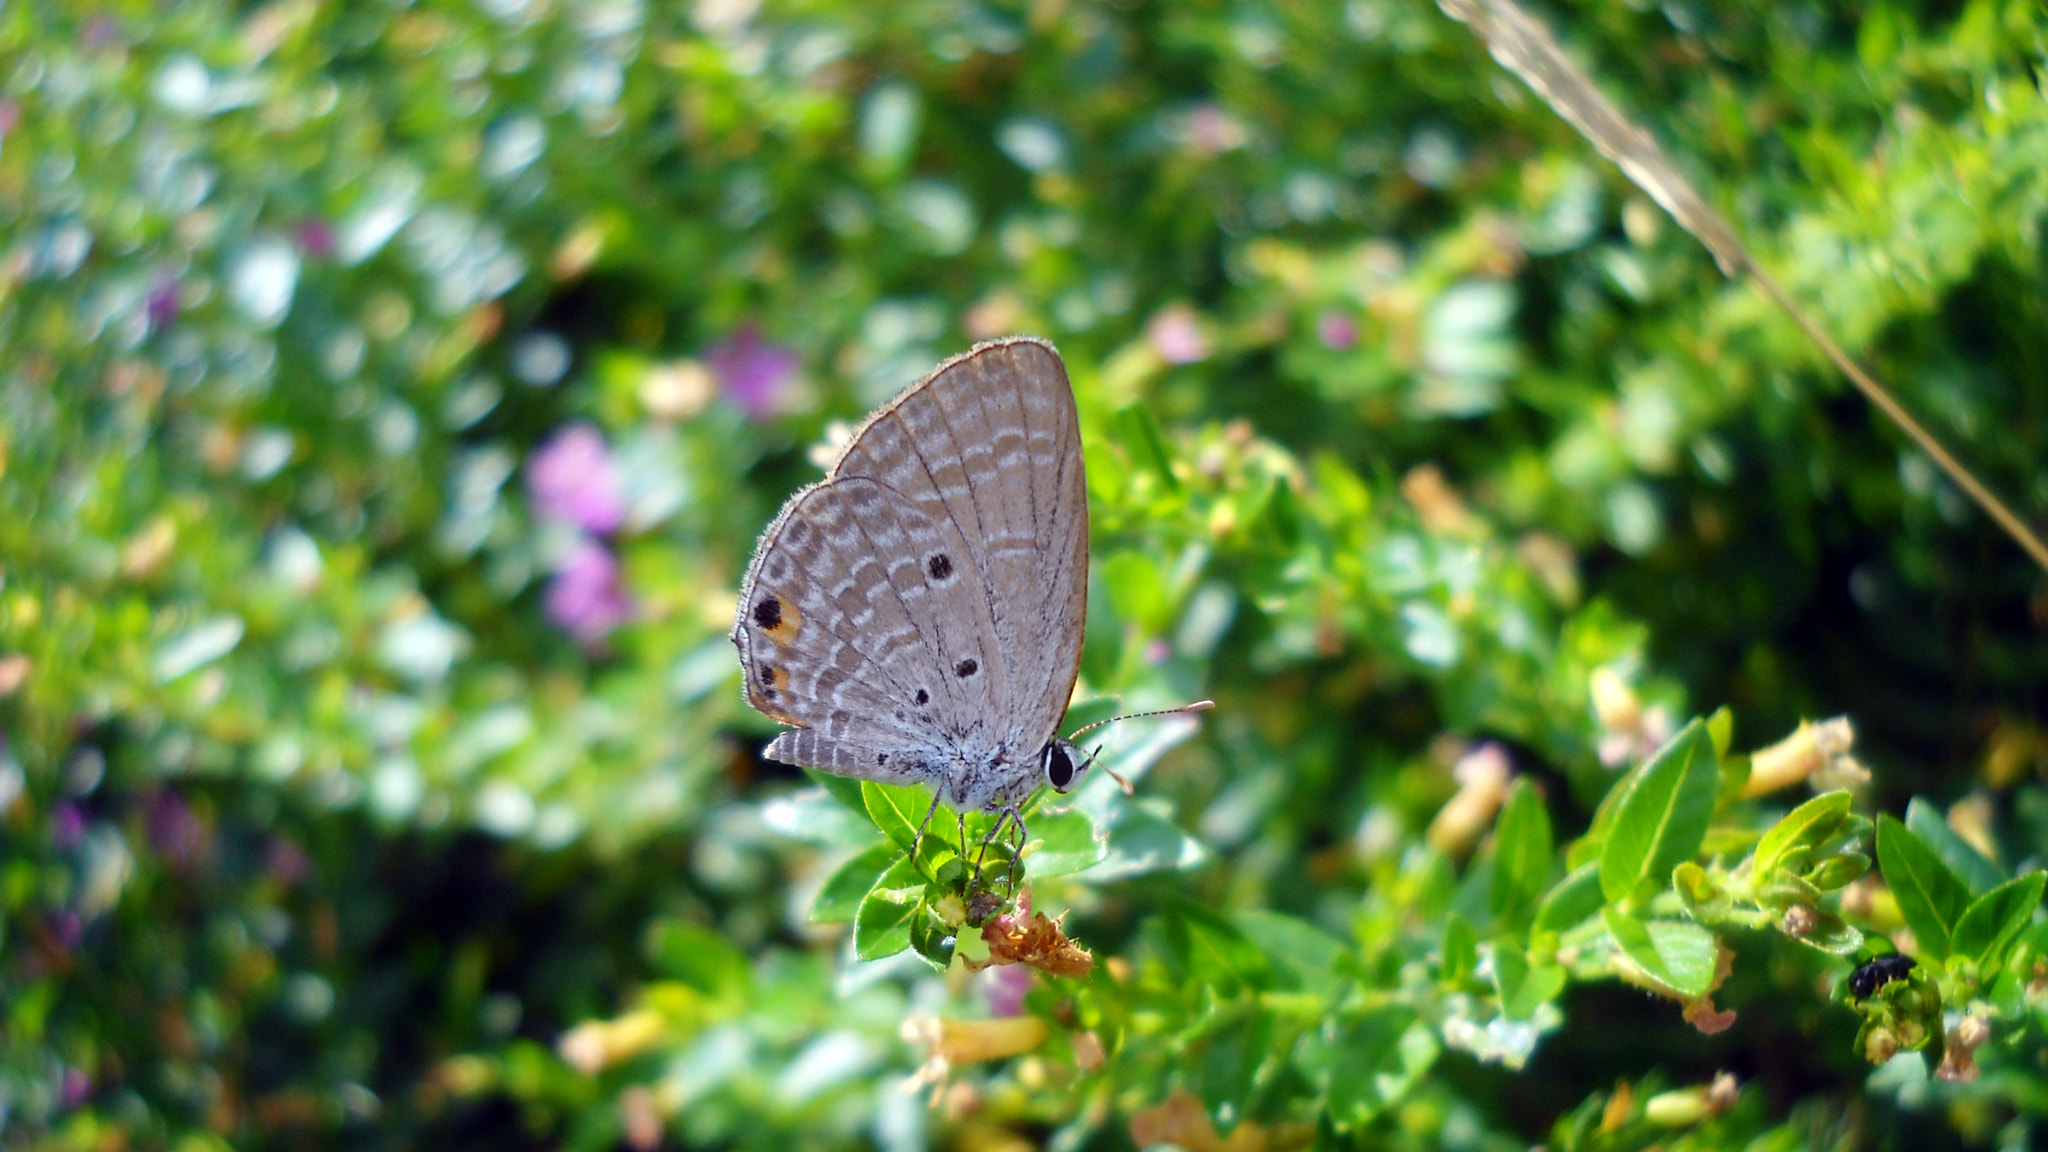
845, 629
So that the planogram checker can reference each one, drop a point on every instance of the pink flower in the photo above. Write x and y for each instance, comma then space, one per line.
164, 301
1208, 130
175, 831
286, 861
1176, 334
1337, 330
317, 239
752, 374
76, 1089
1005, 985
574, 480
66, 927
67, 826
586, 598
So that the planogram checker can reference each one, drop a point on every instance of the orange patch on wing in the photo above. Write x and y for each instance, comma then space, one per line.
785, 630
770, 709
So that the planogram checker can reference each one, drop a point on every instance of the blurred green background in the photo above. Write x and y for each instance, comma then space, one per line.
392, 392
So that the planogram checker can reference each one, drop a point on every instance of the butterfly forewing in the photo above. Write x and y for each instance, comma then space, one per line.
991, 440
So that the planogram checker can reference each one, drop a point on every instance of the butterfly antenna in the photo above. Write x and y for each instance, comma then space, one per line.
1185, 709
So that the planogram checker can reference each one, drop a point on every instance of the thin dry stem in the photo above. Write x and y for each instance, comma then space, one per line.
1525, 47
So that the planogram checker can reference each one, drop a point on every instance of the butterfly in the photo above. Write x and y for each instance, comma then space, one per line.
917, 615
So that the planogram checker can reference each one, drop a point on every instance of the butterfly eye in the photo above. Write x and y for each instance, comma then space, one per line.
1059, 767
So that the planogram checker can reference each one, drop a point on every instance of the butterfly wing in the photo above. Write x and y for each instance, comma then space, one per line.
848, 631
990, 443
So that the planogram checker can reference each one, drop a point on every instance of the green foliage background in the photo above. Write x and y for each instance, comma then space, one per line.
1404, 415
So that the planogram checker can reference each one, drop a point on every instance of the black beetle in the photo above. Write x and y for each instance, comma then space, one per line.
1877, 972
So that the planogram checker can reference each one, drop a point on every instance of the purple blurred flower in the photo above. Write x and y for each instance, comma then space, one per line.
287, 862
77, 1087
100, 32
574, 480
316, 239
1005, 986
67, 826
175, 833
10, 115
163, 301
586, 599
753, 374
66, 927
1337, 330
1176, 334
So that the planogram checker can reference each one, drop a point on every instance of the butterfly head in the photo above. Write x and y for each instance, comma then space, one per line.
1063, 765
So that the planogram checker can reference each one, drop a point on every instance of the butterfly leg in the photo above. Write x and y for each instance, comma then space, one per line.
989, 838
1017, 845
917, 841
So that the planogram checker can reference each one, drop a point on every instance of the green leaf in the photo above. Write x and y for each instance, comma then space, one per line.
844, 789
1137, 589
1141, 438
1461, 951
1587, 848
1062, 843
1141, 841
1521, 851
1207, 949
1804, 827
840, 898
1227, 1060
1367, 1063
1839, 871
1678, 954
1523, 987
930, 938
1663, 817
1994, 920
699, 957
1963, 859
1735, 772
1930, 896
1571, 901
1721, 729
1303, 955
1705, 899
882, 925
899, 809
1830, 933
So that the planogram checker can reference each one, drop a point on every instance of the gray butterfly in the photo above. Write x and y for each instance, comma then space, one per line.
917, 615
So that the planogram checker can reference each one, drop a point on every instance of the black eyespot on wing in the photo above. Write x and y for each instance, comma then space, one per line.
881, 758
1059, 768
966, 668
768, 613
1875, 973
767, 675
940, 566
923, 697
